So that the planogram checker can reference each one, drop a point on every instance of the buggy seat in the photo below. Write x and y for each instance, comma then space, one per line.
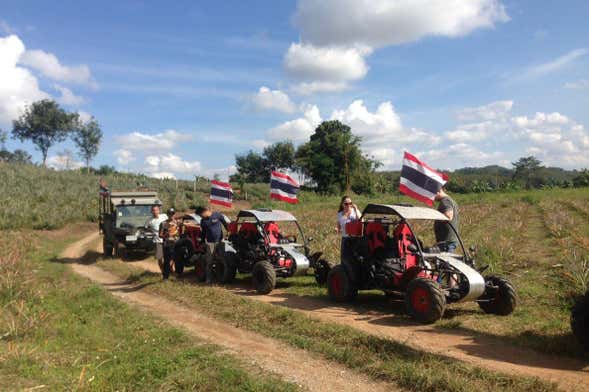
273, 231
405, 238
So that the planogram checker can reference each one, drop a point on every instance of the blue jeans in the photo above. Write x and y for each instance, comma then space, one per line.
449, 247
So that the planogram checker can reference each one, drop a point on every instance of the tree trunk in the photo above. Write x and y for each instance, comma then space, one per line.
44, 152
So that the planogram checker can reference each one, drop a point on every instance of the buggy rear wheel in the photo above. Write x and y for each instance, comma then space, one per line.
321, 270
339, 284
182, 254
200, 267
499, 297
425, 301
580, 320
263, 277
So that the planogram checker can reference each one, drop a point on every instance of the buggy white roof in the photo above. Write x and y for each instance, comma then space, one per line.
405, 211
267, 215
140, 197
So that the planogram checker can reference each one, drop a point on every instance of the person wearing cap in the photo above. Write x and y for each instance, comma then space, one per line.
211, 224
169, 232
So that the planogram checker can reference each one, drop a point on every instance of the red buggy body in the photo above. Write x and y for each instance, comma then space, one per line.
388, 255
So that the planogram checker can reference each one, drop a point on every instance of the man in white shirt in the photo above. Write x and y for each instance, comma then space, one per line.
153, 224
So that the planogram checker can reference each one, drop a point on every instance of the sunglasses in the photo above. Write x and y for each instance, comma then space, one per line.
348, 204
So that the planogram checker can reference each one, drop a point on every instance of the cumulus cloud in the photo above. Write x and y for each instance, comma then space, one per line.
299, 129
492, 111
378, 23
266, 99
67, 96
63, 161
84, 116
167, 165
49, 66
338, 35
18, 86
124, 157
139, 141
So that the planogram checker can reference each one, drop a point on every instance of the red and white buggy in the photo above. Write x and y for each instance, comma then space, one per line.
388, 255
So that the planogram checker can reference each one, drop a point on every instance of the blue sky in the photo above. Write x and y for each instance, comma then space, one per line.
180, 88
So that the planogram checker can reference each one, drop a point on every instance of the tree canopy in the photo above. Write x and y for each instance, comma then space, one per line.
87, 138
334, 160
44, 123
254, 167
526, 169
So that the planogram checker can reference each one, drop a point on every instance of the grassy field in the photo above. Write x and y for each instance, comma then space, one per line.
58, 332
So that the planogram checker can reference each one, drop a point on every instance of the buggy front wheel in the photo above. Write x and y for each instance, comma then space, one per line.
499, 297
425, 301
263, 277
321, 269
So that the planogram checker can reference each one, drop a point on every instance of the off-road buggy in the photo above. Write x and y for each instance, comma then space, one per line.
268, 244
580, 320
388, 256
121, 219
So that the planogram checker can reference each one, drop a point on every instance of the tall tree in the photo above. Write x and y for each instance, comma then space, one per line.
251, 168
3, 137
44, 123
280, 155
334, 160
525, 169
87, 138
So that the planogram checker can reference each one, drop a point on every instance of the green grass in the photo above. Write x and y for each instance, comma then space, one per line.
379, 358
59, 331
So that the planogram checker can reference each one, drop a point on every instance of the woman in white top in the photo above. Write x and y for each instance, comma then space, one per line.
348, 212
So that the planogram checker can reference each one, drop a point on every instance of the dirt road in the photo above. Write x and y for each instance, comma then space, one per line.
291, 364
488, 352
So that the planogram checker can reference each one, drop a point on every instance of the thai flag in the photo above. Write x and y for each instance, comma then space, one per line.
221, 193
283, 187
420, 181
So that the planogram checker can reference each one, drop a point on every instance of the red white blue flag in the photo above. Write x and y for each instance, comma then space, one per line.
420, 181
221, 193
283, 187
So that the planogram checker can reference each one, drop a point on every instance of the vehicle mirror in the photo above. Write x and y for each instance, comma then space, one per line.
412, 248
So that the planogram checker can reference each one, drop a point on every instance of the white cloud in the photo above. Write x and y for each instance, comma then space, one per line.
299, 129
124, 157
48, 65
492, 111
309, 88
18, 86
157, 142
556, 64
84, 116
166, 164
378, 23
68, 97
266, 99
578, 84
308, 62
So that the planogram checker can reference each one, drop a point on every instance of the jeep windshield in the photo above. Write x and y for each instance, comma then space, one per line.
131, 216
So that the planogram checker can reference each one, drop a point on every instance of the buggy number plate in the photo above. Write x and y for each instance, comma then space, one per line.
131, 238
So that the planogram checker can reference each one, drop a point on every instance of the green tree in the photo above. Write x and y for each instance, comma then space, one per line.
44, 123
87, 138
3, 137
334, 160
17, 156
582, 179
251, 167
280, 155
526, 169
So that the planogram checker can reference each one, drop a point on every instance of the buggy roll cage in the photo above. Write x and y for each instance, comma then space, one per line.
408, 212
262, 216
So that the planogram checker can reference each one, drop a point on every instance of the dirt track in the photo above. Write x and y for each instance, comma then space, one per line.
291, 364
487, 352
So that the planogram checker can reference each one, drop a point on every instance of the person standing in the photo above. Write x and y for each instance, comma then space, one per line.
153, 224
211, 225
169, 231
347, 212
445, 236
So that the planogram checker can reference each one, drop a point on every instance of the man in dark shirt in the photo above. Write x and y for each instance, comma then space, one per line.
211, 225
445, 234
